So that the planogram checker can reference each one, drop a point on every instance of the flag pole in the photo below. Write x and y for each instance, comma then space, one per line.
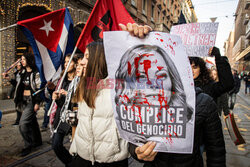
5, 28
61, 80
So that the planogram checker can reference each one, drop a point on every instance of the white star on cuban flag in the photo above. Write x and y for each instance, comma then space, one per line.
51, 38
47, 27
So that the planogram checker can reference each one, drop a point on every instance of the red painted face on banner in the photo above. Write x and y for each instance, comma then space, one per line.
154, 73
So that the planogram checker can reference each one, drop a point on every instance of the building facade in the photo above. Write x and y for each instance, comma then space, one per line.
241, 48
228, 46
13, 43
159, 14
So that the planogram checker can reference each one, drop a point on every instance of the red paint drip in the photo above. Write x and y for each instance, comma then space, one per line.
162, 76
175, 134
137, 74
159, 68
162, 99
147, 66
125, 97
146, 55
129, 68
139, 110
158, 114
146, 101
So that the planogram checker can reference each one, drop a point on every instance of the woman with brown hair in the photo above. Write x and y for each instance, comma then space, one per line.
96, 141
62, 129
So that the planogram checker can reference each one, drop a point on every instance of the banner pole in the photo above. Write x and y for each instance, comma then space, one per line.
61, 81
5, 28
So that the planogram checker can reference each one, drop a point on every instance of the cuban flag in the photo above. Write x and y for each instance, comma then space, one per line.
51, 37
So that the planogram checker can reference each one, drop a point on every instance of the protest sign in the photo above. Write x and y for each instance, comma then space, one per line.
153, 91
197, 38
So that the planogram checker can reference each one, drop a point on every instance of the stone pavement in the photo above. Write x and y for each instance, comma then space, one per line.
7, 106
239, 156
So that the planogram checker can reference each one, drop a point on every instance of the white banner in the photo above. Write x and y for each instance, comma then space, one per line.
197, 38
153, 96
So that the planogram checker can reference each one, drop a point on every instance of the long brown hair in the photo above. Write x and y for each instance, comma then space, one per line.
95, 71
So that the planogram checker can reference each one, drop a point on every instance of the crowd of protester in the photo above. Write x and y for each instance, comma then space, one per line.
87, 114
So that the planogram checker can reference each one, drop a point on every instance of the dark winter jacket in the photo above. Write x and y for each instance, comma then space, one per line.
247, 80
236, 87
226, 81
14, 82
207, 124
63, 125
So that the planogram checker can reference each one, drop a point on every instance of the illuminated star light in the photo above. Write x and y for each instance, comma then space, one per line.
47, 27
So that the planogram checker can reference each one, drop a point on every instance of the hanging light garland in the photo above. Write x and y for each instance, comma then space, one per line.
10, 11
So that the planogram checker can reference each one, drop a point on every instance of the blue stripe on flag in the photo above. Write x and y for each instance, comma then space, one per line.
69, 25
67, 19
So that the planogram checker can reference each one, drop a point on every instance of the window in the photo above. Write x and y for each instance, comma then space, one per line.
152, 11
133, 2
144, 6
159, 12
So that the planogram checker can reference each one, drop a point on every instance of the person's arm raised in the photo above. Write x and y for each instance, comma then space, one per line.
136, 30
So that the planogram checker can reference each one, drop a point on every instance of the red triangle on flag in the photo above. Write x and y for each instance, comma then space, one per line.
46, 28
105, 16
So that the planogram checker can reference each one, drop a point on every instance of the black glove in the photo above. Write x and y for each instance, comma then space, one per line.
216, 52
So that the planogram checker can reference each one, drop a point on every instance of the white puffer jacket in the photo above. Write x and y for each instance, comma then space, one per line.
96, 137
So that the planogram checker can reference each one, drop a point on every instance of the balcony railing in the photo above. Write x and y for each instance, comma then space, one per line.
239, 45
248, 30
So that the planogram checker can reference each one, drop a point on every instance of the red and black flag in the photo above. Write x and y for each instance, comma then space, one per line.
105, 16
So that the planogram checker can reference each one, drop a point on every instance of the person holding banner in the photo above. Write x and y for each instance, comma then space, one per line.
235, 90
62, 128
96, 141
222, 101
207, 123
203, 79
70, 114
28, 84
